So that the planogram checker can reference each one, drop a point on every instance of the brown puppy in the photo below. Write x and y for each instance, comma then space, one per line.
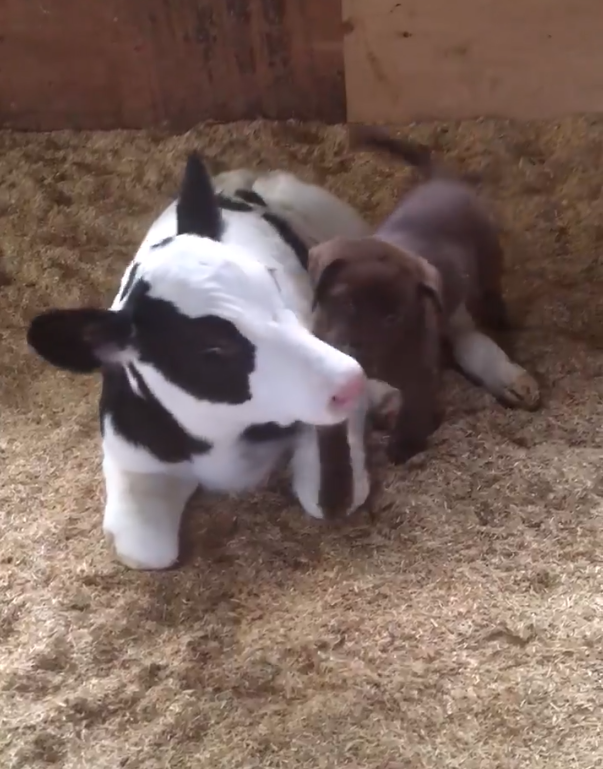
429, 276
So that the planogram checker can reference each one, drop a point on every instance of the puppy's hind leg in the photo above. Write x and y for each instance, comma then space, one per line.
483, 361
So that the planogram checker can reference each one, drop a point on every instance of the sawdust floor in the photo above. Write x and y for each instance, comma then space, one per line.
464, 628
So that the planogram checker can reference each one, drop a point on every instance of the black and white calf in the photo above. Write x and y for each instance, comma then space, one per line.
208, 367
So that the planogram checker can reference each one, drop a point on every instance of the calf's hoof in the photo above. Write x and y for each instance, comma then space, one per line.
133, 552
522, 393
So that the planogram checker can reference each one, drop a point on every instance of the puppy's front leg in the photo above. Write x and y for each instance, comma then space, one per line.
418, 418
482, 360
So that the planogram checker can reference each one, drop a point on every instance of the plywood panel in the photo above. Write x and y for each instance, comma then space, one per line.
422, 59
172, 63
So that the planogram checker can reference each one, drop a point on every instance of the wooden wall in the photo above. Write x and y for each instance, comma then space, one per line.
172, 63
139, 63
451, 59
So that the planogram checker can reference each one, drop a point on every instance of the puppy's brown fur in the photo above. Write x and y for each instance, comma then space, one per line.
384, 307
387, 299
445, 222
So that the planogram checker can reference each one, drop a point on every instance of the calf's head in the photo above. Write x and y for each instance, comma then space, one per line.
376, 302
203, 325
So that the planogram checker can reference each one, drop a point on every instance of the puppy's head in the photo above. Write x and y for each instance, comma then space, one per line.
375, 302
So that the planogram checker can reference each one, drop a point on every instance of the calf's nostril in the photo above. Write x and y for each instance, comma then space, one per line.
350, 392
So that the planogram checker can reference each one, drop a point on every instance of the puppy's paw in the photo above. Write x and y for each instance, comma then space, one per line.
522, 393
400, 451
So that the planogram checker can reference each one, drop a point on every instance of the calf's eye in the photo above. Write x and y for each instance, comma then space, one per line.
221, 351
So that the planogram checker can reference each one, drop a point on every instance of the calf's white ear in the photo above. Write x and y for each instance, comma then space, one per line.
197, 209
79, 340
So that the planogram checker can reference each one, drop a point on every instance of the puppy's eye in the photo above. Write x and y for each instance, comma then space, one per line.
349, 306
390, 319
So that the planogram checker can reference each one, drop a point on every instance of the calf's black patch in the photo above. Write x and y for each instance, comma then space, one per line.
268, 431
248, 201
208, 357
129, 281
163, 242
249, 196
143, 421
288, 234
232, 204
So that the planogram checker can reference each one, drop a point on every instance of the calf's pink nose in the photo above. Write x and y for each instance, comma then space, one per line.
350, 392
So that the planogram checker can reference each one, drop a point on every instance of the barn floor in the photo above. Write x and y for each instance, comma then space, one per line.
463, 629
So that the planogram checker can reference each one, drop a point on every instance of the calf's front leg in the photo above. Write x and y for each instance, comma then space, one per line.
482, 360
142, 516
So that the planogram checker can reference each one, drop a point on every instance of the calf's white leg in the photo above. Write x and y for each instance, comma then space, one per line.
383, 401
142, 516
482, 359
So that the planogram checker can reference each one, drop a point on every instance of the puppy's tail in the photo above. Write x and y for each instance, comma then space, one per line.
415, 154
361, 137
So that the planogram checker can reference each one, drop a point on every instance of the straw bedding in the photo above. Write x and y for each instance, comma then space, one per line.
462, 628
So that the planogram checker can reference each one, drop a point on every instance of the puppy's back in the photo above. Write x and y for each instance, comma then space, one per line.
444, 220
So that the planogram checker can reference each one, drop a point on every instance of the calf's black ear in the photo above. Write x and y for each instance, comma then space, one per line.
79, 340
197, 209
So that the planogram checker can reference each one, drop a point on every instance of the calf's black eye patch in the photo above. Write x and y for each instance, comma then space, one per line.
178, 346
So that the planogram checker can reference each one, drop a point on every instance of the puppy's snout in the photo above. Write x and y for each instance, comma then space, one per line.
349, 394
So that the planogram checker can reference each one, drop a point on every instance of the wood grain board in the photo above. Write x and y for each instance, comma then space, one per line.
170, 63
437, 59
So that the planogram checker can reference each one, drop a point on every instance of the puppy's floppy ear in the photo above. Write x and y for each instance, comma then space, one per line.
324, 263
80, 340
321, 256
430, 282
